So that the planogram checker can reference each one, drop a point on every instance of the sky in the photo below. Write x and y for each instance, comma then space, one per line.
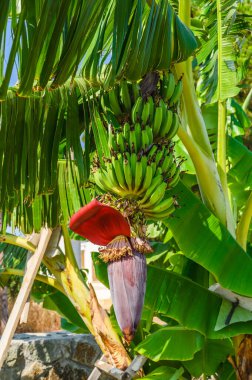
14, 76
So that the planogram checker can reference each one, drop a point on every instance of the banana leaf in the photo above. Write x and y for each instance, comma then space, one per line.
203, 239
209, 358
164, 372
170, 294
171, 343
61, 304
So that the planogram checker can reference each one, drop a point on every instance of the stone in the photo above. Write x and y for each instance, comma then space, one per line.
51, 356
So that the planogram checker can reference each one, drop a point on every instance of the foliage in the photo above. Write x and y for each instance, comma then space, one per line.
68, 54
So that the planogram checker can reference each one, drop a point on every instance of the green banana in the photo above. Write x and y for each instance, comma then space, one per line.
138, 134
145, 113
172, 170
103, 182
155, 198
111, 175
168, 160
174, 127
166, 125
111, 138
135, 90
173, 181
157, 121
127, 174
154, 168
137, 110
160, 154
147, 179
133, 160
163, 105
144, 164
126, 131
161, 215
133, 142
149, 133
156, 181
145, 139
114, 102
125, 95
163, 206
176, 93
118, 167
138, 176
151, 108
99, 182
152, 152
168, 86
120, 142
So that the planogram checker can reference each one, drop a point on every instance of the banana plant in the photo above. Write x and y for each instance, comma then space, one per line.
140, 110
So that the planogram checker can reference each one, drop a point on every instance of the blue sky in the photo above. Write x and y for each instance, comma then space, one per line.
14, 76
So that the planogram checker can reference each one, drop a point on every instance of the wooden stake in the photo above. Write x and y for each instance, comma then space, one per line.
32, 269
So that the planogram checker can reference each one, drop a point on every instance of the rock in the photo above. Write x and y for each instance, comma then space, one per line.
51, 356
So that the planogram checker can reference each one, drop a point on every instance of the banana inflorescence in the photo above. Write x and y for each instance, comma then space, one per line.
139, 168
142, 165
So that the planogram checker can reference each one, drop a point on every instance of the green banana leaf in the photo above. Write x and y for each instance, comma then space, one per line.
60, 303
203, 239
171, 343
241, 160
164, 372
209, 358
170, 294
52, 40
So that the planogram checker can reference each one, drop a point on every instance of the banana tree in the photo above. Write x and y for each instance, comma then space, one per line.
133, 109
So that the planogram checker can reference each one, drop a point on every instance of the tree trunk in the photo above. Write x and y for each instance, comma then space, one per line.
244, 358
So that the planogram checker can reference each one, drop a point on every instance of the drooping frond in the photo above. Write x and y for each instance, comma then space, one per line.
44, 164
54, 40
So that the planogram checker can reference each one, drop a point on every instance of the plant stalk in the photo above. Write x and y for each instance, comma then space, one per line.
197, 142
39, 277
17, 240
247, 101
244, 223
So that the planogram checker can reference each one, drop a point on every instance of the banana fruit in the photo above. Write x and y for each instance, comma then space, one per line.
141, 166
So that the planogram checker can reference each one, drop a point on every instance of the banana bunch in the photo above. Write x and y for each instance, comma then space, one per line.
139, 170
141, 166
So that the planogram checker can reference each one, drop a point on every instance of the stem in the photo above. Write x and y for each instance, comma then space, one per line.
16, 240
247, 101
197, 143
39, 277
68, 247
191, 108
221, 143
243, 225
184, 13
207, 176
